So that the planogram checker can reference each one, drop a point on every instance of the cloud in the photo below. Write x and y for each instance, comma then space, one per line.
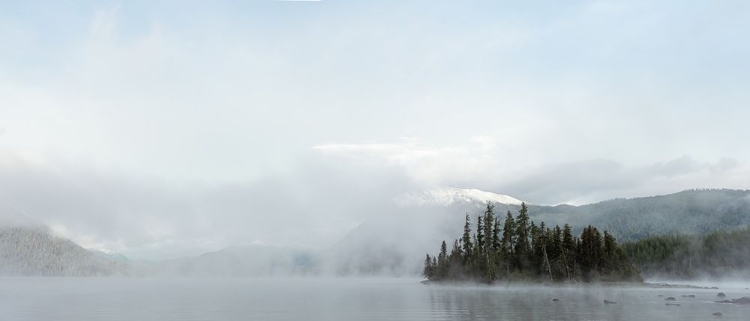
596, 180
429, 164
152, 219
152, 130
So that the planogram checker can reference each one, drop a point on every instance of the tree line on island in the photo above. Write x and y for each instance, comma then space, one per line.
516, 249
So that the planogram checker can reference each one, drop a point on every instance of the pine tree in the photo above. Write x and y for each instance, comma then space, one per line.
455, 262
508, 242
608, 260
487, 253
590, 252
496, 240
428, 268
568, 252
489, 218
480, 238
442, 261
523, 247
466, 242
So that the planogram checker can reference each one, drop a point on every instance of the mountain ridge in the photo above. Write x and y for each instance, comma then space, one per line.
378, 245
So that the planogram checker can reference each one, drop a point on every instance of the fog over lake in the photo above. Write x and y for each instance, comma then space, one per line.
313, 159
348, 299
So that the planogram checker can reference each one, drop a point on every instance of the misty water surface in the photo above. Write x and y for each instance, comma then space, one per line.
343, 299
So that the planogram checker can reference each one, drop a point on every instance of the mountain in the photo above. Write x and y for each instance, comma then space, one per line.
451, 195
252, 260
33, 251
687, 212
395, 242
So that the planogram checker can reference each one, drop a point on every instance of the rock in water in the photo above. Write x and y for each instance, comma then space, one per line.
745, 300
717, 314
609, 302
671, 298
673, 304
721, 295
689, 296
555, 299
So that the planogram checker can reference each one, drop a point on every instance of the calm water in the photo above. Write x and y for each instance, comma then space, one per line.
342, 299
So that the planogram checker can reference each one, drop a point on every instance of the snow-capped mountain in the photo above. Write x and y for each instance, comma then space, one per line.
453, 196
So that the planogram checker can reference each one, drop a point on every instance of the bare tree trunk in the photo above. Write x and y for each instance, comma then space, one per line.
546, 259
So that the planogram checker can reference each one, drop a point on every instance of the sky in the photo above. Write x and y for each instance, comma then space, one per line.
161, 129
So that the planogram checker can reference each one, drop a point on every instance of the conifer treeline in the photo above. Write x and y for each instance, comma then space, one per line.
518, 249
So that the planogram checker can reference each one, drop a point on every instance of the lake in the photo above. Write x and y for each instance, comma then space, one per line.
345, 299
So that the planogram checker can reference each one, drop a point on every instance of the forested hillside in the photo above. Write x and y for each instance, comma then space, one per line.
687, 212
33, 251
714, 255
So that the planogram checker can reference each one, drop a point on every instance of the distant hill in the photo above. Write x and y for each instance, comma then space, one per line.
252, 260
687, 212
720, 254
393, 243
33, 251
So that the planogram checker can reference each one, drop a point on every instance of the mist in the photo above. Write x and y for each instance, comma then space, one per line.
298, 159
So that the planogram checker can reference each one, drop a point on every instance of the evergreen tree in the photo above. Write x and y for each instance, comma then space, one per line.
428, 268
480, 238
568, 252
455, 262
442, 261
522, 246
487, 256
489, 218
496, 241
590, 253
466, 241
496, 255
508, 242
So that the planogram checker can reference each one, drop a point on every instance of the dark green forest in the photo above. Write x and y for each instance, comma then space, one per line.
716, 254
516, 249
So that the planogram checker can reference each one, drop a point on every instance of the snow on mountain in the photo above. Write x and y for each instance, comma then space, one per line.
452, 195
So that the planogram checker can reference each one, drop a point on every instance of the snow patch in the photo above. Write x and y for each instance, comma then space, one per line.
452, 195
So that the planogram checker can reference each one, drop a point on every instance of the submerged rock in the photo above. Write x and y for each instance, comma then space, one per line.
609, 302
555, 299
673, 304
717, 314
671, 298
689, 296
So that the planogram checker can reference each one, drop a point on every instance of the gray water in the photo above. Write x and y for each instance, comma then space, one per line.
344, 299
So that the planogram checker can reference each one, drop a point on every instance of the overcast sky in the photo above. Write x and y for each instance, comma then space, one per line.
172, 128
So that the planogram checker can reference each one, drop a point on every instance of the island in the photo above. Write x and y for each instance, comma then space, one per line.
518, 249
